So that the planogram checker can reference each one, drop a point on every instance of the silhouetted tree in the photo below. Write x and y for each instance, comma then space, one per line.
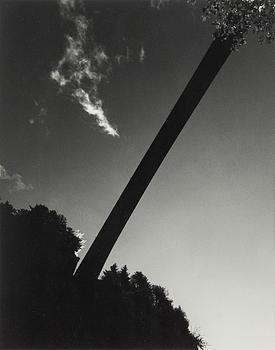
130, 312
38, 257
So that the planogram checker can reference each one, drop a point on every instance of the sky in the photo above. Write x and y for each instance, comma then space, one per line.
84, 90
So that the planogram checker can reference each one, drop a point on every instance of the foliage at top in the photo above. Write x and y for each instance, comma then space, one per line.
235, 18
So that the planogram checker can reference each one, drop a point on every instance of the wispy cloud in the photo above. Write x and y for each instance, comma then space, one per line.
40, 117
95, 109
158, 3
84, 65
142, 54
15, 182
123, 56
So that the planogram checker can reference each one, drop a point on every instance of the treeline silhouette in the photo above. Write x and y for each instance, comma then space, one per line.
43, 307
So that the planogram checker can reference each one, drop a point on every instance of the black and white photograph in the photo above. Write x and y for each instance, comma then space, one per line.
137, 174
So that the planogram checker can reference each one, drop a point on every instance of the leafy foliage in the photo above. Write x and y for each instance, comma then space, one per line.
235, 18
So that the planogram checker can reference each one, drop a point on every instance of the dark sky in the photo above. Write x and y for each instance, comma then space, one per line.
204, 227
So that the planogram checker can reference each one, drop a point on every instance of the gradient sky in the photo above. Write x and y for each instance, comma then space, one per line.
204, 228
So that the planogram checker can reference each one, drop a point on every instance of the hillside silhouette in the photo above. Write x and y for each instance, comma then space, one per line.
43, 307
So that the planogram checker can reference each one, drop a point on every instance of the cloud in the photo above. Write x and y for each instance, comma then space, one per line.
96, 110
141, 54
158, 3
40, 117
66, 7
41, 114
83, 66
15, 181
123, 57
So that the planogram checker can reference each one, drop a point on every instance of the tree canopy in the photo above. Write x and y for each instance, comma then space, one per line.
234, 18
38, 257
131, 312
